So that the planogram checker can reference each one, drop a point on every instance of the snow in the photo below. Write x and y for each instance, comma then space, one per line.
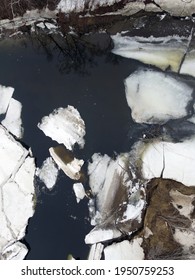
101, 235
156, 97
5, 96
170, 160
162, 52
96, 251
125, 250
71, 169
133, 212
48, 173
79, 191
12, 120
16, 195
65, 126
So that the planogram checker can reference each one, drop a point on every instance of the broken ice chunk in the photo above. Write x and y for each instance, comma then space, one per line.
96, 251
12, 120
188, 66
16, 251
170, 160
48, 173
98, 235
125, 250
79, 191
156, 97
65, 126
5, 96
162, 52
66, 161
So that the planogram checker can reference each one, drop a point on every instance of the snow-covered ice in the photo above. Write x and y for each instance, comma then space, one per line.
156, 97
162, 52
79, 191
98, 235
65, 126
188, 66
15, 251
125, 250
5, 96
95, 252
170, 160
13, 121
48, 173
71, 168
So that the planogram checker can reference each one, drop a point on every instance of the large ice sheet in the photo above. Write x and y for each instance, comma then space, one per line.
170, 160
65, 126
125, 250
13, 121
5, 96
162, 52
156, 97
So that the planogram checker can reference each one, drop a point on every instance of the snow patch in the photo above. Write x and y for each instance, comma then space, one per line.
155, 97
65, 126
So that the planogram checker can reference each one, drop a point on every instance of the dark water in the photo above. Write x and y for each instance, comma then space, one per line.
44, 79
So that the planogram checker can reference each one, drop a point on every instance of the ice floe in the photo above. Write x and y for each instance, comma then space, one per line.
79, 191
98, 235
95, 252
65, 161
156, 97
162, 52
15, 251
5, 96
170, 160
188, 66
125, 250
13, 121
65, 126
17, 192
48, 173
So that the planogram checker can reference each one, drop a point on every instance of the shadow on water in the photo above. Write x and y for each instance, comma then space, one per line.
49, 73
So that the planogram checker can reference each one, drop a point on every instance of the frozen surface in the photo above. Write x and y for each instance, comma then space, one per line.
65, 126
101, 235
16, 194
48, 173
170, 160
125, 250
79, 191
13, 121
71, 168
188, 66
155, 97
5, 96
162, 52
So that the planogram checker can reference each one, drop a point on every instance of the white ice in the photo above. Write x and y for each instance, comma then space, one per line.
170, 160
13, 121
5, 96
156, 97
79, 191
125, 250
162, 52
48, 173
65, 126
71, 169
95, 252
188, 66
16, 251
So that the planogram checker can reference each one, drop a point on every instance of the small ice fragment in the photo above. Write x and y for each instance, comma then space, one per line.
156, 97
5, 96
12, 120
65, 126
100, 235
65, 161
79, 191
48, 173
125, 250
16, 251
95, 252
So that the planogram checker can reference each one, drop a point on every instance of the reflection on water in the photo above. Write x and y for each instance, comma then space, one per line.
48, 73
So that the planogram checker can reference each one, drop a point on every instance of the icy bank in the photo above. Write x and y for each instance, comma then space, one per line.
156, 97
17, 192
65, 126
162, 52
